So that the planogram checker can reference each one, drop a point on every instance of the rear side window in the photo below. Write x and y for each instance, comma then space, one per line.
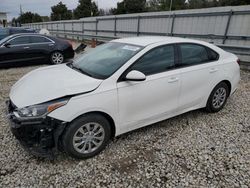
213, 56
37, 39
192, 54
20, 40
157, 60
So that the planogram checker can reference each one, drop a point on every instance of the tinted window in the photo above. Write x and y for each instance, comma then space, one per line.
20, 40
4, 39
37, 39
3, 31
193, 54
157, 60
212, 55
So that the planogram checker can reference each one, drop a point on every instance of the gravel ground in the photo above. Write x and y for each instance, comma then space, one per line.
192, 150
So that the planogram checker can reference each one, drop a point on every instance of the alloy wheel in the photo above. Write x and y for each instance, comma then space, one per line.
88, 138
219, 97
57, 58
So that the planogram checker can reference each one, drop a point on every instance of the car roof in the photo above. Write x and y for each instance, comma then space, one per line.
148, 40
21, 34
32, 34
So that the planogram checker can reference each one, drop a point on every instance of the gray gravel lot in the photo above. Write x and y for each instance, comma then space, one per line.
192, 150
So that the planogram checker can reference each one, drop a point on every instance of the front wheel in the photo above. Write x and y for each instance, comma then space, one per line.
56, 58
218, 98
86, 136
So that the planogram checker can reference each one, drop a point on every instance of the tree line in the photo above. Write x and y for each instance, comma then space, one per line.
88, 8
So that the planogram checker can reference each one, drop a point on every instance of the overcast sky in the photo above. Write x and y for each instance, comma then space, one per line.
43, 7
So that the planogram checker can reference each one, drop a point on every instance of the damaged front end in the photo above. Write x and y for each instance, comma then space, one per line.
40, 136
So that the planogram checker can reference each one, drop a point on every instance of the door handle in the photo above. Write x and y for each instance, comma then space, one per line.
26, 47
173, 79
212, 70
51, 44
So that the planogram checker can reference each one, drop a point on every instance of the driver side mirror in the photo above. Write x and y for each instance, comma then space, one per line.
135, 75
7, 45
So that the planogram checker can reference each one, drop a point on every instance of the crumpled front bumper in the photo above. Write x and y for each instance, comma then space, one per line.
40, 136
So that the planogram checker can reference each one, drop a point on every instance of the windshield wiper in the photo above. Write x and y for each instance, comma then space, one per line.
71, 65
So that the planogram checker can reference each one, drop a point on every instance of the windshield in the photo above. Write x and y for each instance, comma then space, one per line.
104, 60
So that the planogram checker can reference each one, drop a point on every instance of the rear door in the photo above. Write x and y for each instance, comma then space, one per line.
199, 71
40, 47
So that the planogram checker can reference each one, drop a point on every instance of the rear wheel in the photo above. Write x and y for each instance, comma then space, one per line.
218, 98
56, 58
86, 136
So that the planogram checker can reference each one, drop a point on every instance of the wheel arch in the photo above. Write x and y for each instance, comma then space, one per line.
104, 114
226, 82
56, 50
229, 85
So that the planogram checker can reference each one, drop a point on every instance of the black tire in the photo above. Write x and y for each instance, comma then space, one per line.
73, 128
53, 60
212, 108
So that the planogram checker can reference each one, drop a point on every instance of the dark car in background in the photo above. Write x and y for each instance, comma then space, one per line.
6, 31
34, 48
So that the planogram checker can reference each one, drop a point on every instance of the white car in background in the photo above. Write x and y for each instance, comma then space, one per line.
118, 87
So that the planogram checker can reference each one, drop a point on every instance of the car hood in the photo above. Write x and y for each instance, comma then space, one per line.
45, 84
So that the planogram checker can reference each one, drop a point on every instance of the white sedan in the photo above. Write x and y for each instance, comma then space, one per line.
118, 87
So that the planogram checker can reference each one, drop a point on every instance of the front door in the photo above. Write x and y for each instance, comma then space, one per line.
144, 102
17, 50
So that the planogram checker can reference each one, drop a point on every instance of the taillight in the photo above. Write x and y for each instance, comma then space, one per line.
238, 61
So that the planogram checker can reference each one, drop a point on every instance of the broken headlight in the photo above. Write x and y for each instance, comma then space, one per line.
41, 109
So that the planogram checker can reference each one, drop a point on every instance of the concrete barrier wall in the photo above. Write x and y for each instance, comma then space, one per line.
227, 27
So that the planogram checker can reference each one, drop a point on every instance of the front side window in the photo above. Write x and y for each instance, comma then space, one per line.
155, 61
20, 40
2, 41
192, 54
37, 39
104, 60
4, 31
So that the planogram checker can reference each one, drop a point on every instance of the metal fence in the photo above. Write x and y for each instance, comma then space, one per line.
227, 27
